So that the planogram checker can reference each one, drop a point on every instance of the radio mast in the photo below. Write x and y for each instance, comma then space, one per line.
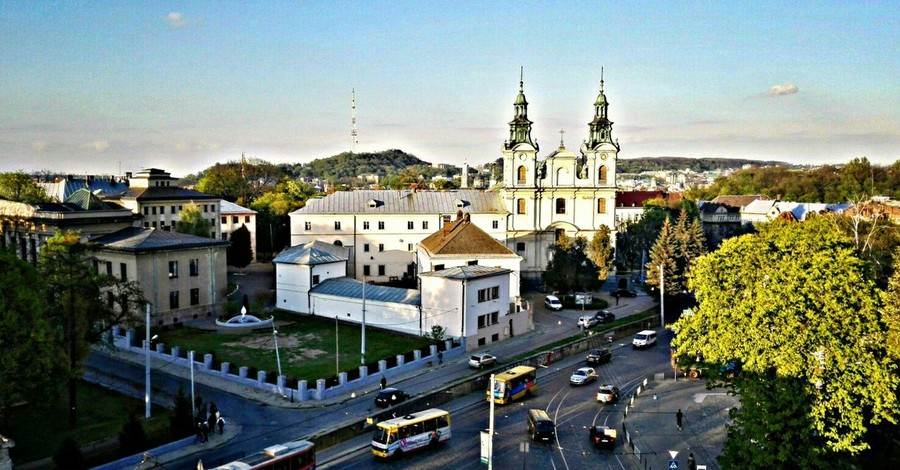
353, 141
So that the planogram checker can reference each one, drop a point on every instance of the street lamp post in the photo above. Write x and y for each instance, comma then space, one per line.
490, 461
147, 365
277, 356
362, 358
193, 398
337, 350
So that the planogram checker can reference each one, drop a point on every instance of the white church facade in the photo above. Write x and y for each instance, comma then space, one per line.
538, 200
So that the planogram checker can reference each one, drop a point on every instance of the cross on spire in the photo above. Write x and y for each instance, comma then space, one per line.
561, 133
601, 79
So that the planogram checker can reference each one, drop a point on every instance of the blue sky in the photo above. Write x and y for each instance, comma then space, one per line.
92, 87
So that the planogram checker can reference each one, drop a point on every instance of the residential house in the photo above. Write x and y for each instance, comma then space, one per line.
234, 217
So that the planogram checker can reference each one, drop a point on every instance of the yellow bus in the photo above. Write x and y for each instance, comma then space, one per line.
513, 384
395, 437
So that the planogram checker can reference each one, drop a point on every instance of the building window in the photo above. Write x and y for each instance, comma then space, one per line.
367, 270
224, 236
381, 270
447, 219
146, 210
520, 175
409, 225
495, 224
172, 210
338, 243
439, 267
366, 247
337, 224
601, 174
224, 219
153, 210
195, 296
307, 225
381, 247
315, 279
520, 206
380, 225
247, 219
173, 269
123, 271
472, 263
424, 225
173, 299
366, 225
495, 337
205, 208
146, 224
560, 205
601, 205
520, 246
490, 293
153, 224
195, 267
234, 219
482, 341
409, 247
488, 319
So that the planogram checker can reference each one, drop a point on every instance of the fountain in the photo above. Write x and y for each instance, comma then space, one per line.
244, 321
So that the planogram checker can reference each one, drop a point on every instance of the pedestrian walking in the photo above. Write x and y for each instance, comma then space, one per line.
204, 428
616, 295
383, 383
440, 358
211, 422
221, 423
692, 464
678, 417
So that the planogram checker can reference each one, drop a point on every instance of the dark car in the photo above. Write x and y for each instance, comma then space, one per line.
604, 316
598, 356
624, 293
390, 397
602, 437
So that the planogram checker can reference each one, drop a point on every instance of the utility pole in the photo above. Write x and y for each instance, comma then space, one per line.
490, 461
362, 358
662, 297
147, 365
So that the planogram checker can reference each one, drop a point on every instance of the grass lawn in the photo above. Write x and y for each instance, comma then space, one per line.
306, 347
101, 415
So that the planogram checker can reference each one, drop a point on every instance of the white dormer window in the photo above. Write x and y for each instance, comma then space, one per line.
459, 203
372, 203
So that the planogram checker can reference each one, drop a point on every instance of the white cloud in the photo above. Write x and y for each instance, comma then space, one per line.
176, 19
97, 145
780, 90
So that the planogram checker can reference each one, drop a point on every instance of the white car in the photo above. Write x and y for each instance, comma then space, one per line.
588, 321
583, 376
479, 361
552, 302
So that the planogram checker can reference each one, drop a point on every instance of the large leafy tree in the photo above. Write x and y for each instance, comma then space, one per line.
600, 252
570, 269
273, 209
19, 187
664, 255
795, 306
30, 358
191, 221
226, 181
82, 304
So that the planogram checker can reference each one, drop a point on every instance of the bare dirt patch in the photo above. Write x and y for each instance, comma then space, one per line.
296, 344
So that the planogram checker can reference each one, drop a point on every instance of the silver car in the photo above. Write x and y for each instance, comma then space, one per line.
583, 376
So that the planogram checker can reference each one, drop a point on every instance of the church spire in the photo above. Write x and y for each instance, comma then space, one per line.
600, 128
520, 126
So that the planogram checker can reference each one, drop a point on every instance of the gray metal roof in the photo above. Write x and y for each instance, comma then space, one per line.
348, 287
314, 252
467, 272
405, 202
226, 207
138, 239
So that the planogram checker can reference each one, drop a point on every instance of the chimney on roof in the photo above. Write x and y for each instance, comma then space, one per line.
459, 214
467, 217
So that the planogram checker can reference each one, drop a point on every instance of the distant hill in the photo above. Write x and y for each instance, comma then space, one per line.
637, 165
350, 165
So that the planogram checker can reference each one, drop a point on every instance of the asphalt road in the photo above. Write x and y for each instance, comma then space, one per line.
573, 409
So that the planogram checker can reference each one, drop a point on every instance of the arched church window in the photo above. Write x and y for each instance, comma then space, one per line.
601, 205
601, 174
338, 243
520, 176
520, 206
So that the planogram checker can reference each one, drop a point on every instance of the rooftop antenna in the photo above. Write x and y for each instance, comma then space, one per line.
353, 140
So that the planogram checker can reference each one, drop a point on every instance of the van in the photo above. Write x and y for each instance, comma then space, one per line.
540, 426
643, 339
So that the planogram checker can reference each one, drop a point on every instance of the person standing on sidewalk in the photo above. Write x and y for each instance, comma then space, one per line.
692, 464
440, 358
383, 383
678, 417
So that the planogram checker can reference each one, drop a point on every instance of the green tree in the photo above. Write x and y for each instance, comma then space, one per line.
132, 437
569, 268
19, 187
226, 181
240, 253
181, 422
191, 221
80, 302
664, 254
600, 252
31, 358
794, 303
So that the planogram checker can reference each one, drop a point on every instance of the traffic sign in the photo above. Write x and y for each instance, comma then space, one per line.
673, 465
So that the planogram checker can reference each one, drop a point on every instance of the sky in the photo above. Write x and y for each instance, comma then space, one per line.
106, 87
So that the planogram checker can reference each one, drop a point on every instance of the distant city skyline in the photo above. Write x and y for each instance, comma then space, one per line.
108, 87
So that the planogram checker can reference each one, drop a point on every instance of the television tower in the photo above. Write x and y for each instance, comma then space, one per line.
353, 140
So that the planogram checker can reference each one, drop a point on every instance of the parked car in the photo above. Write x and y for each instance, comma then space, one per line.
607, 394
583, 376
603, 437
552, 302
604, 316
479, 361
624, 293
599, 356
390, 397
588, 321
